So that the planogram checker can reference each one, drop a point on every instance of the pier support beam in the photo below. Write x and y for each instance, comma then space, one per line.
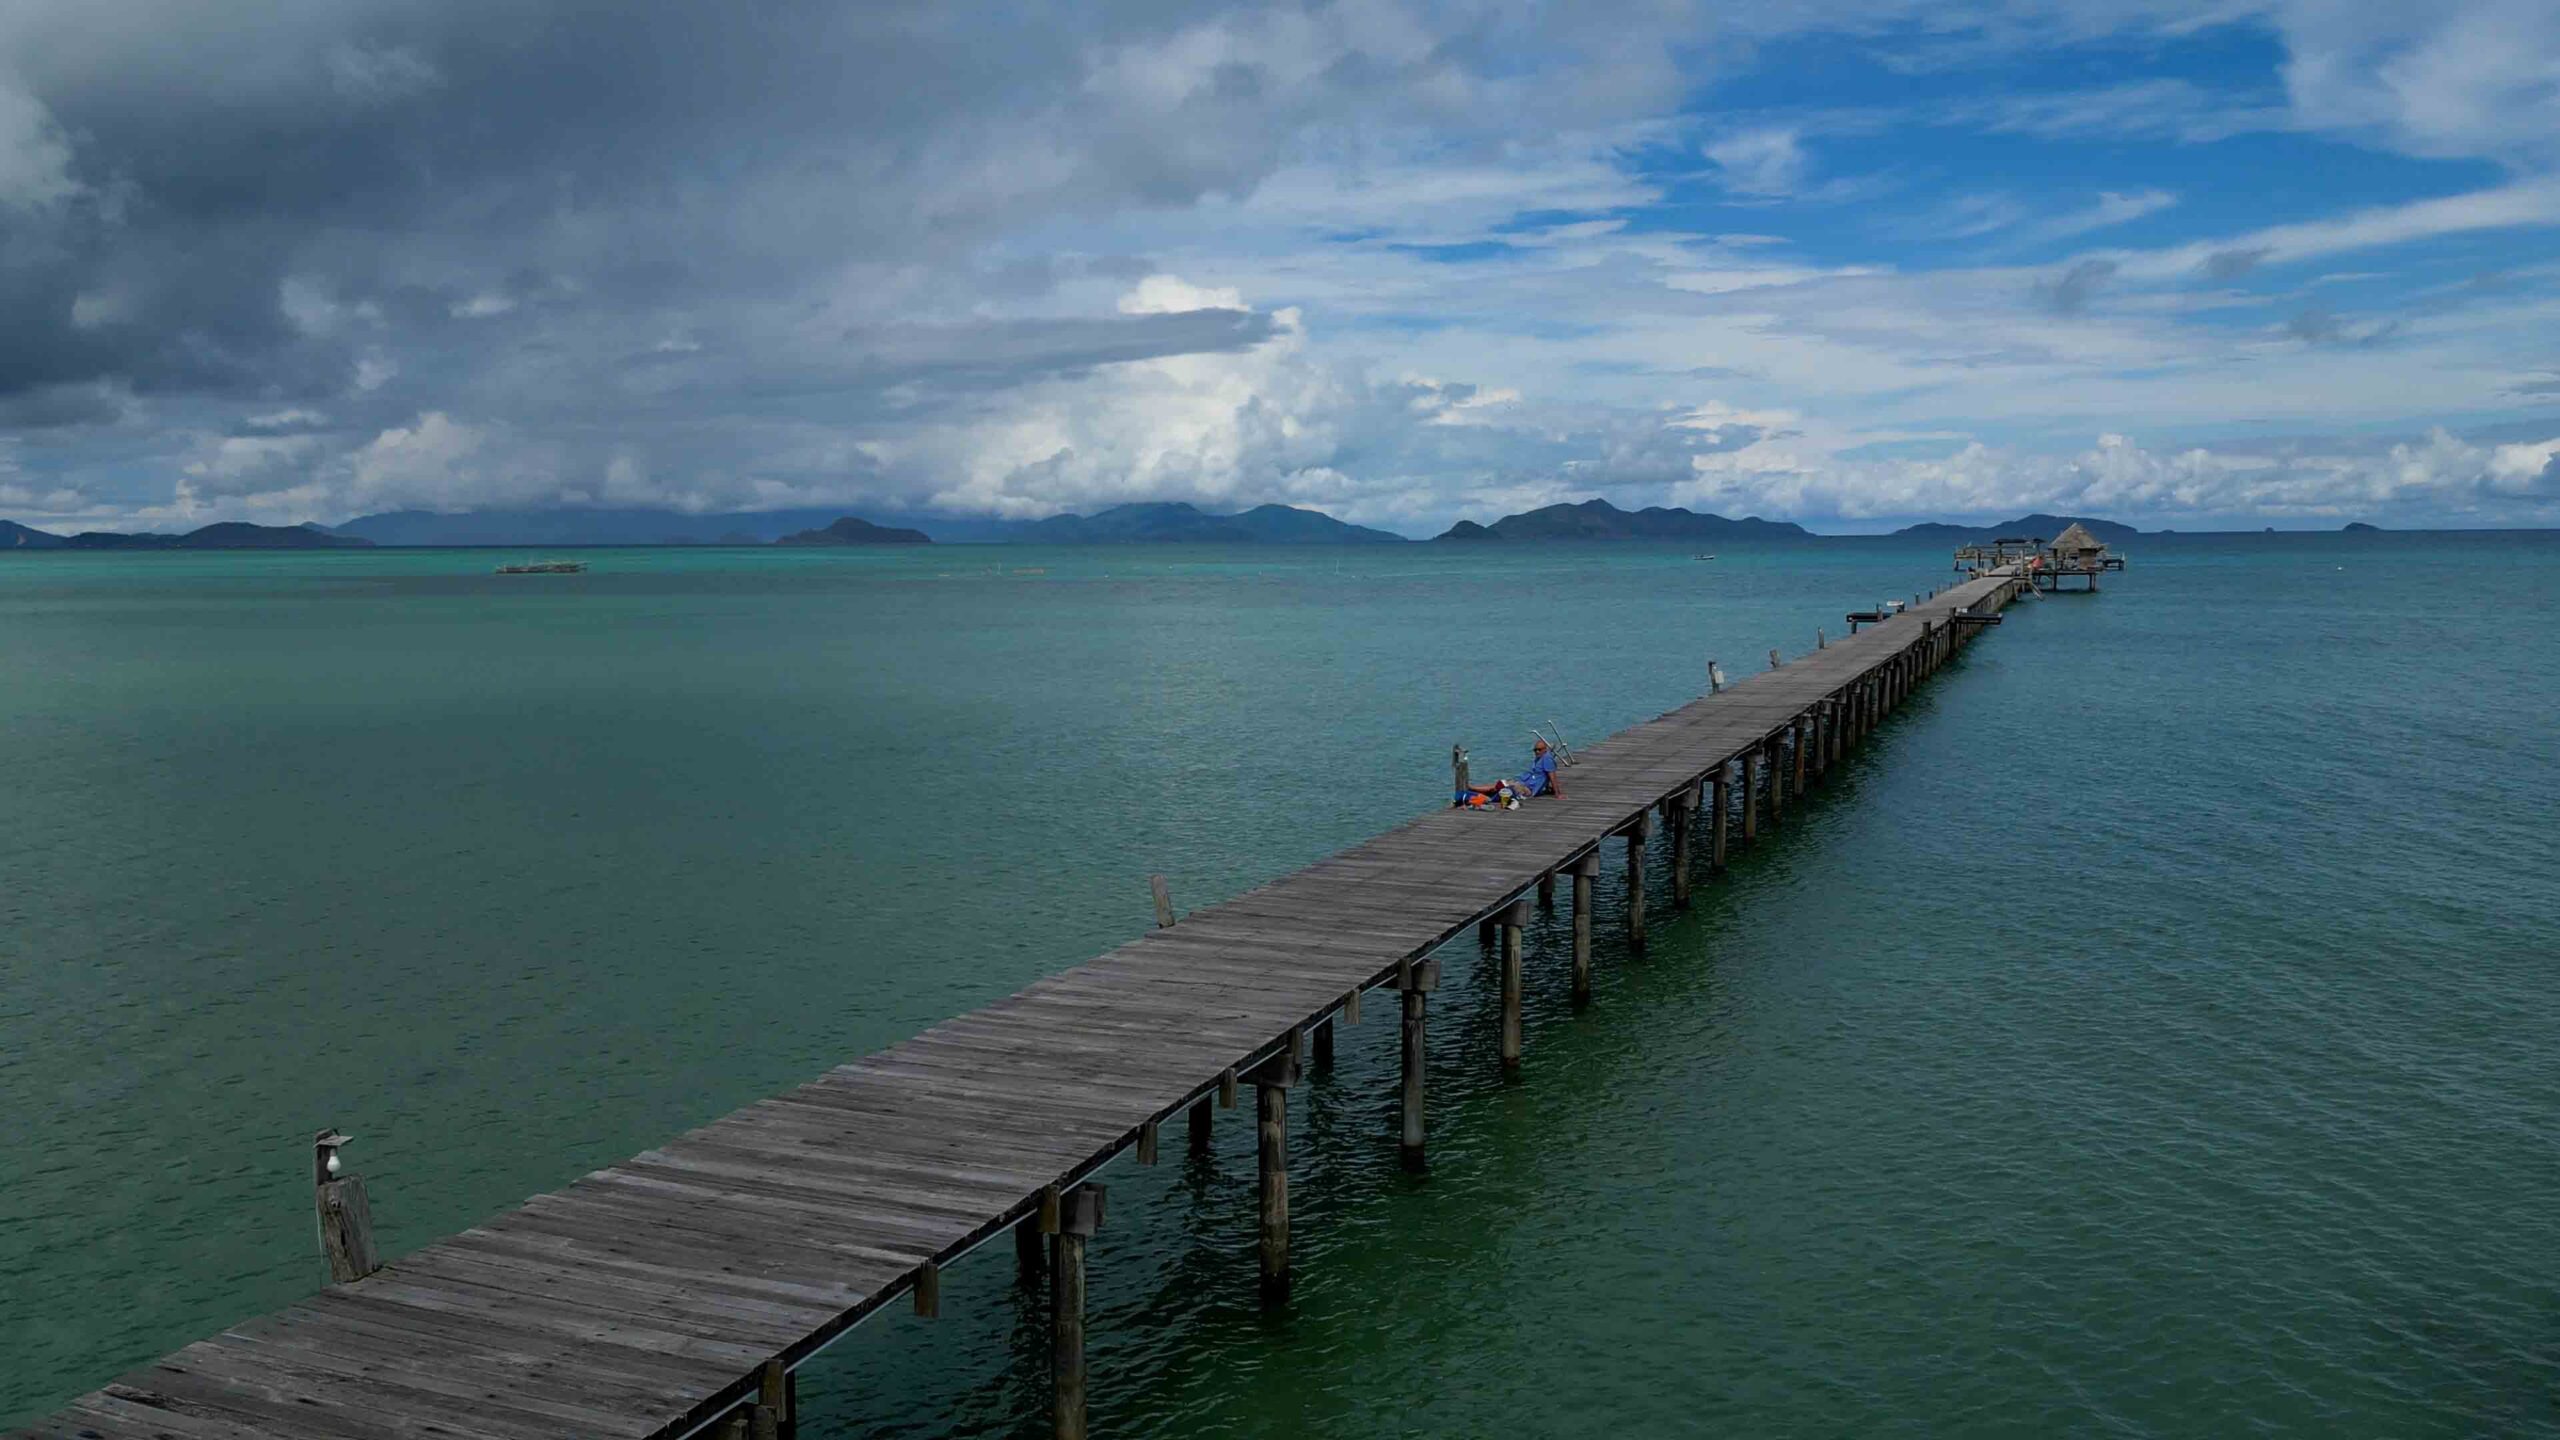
1271, 1082
1583, 871
1198, 1123
1322, 1047
1776, 748
1635, 881
1547, 891
1799, 731
1675, 813
1415, 980
1513, 917
1079, 1216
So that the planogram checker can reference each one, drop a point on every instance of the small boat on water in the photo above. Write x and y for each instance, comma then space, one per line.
545, 567
1702, 557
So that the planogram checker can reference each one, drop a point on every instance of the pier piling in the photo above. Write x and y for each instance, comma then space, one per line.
1415, 980
1776, 749
1513, 917
1718, 810
1271, 1082
1636, 833
1030, 1257
1583, 870
1079, 1217
1675, 815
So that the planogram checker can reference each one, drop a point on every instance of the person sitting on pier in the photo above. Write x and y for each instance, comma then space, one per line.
1538, 779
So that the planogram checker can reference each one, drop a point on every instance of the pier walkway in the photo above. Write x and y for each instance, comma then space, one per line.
671, 1294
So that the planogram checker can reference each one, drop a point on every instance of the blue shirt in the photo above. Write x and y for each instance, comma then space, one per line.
1541, 771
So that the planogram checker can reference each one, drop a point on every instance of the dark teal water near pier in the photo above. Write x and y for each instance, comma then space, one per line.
2154, 1031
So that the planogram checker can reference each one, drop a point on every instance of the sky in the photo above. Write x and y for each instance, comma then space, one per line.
1850, 263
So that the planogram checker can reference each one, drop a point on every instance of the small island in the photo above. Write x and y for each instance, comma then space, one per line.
852, 530
2358, 527
1600, 520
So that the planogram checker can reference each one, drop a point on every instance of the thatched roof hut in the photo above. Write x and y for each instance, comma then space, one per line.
2076, 546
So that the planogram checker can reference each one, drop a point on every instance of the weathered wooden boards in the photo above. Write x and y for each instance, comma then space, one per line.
650, 1298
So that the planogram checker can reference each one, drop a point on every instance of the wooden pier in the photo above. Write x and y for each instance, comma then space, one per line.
674, 1293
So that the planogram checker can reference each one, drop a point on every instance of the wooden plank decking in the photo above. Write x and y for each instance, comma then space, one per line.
641, 1300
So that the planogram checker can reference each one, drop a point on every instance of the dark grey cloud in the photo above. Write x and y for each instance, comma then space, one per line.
2319, 325
2070, 292
691, 231
2223, 266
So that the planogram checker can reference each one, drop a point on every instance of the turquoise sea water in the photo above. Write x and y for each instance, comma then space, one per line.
2154, 1031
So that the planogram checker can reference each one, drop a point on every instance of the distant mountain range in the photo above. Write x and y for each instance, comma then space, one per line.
229, 535
851, 531
2031, 527
584, 527
1145, 523
1175, 522
1600, 520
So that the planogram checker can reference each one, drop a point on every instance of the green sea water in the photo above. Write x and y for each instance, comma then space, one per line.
2155, 1030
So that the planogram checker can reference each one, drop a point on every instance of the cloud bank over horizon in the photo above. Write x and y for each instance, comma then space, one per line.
2287, 262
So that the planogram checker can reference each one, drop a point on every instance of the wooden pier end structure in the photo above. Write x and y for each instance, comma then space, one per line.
674, 1294
2075, 554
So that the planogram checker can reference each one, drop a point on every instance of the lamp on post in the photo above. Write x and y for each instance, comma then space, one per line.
346, 1217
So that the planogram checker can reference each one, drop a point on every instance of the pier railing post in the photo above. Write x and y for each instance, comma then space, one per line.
346, 1215
1164, 901
1636, 833
1583, 871
1271, 1082
1415, 980
1079, 1216
1513, 917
